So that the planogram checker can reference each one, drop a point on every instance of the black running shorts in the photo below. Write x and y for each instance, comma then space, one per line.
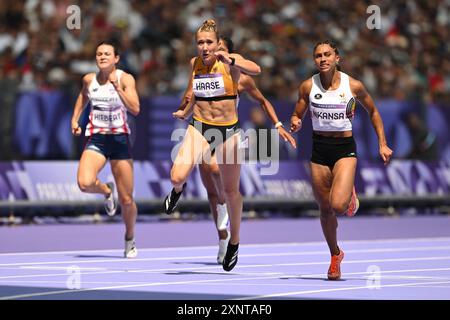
215, 134
328, 150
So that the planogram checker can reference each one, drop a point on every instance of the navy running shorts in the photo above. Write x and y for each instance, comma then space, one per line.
111, 146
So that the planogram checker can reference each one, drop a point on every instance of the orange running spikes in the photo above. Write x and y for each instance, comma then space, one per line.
334, 271
353, 205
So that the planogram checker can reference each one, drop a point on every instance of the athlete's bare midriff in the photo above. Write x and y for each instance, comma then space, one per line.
216, 111
335, 134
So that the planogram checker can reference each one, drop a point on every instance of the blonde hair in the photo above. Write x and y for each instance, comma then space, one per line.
209, 26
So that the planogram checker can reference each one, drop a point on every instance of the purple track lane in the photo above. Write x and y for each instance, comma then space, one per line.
385, 258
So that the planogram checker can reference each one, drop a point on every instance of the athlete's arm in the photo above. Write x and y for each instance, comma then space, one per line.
185, 109
247, 66
185, 113
249, 86
188, 92
127, 92
366, 101
81, 102
301, 106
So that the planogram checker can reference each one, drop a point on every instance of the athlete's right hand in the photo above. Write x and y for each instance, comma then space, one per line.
296, 124
179, 114
76, 129
223, 56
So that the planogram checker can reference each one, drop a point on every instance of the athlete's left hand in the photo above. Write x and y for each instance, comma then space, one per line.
223, 56
386, 153
287, 136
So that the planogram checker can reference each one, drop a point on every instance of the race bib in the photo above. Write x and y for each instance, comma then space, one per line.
107, 118
208, 85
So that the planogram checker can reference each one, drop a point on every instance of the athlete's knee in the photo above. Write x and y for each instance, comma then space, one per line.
339, 206
126, 200
232, 192
85, 184
176, 178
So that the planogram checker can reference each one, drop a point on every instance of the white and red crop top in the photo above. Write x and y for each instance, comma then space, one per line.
108, 113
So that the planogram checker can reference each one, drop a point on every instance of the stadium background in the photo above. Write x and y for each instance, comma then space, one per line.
405, 65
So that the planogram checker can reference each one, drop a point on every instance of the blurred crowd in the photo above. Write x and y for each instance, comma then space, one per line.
411, 49
409, 53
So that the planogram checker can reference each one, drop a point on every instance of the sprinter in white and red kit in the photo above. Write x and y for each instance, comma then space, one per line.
111, 93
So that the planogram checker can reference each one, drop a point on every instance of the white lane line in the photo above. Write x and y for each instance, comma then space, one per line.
150, 249
382, 273
262, 274
276, 276
141, 285
63, 282
151, 284
442, 286
265, 245
60, 268
252, 255
366, 287
367, 261
242, 266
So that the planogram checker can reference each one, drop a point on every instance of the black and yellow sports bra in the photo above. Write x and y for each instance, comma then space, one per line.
212, 83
